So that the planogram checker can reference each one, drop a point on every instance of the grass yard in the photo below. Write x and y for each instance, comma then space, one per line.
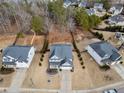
80, 77
92, 76
98, 76
37, 77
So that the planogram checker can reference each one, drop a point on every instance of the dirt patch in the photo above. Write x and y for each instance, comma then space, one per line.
26, 40
79, 34
6, 40
55, 35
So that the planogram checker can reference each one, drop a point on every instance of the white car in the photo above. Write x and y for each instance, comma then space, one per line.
110, 91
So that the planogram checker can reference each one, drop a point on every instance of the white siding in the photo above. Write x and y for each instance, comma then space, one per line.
120, 24
21, 65
95, 56
66, 68
30, 57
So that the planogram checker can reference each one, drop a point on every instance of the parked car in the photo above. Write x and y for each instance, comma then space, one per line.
110, 91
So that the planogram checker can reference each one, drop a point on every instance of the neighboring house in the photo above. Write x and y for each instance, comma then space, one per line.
61, 56
17, 56
104, 53
117, 20
98, 7
91, 11
119, 36
68, 3
116, 9
84, 4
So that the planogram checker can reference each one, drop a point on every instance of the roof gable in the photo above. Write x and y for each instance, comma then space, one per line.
19, 53
63, 53
104, 49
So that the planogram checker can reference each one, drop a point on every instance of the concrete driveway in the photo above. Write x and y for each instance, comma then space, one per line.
17, 81
66, 84
119, 69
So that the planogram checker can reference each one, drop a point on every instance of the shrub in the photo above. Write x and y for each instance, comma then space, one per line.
60, 69
105, 67
20, 35
37, 23
6, 70
41, 59
83, 67
99, 35
72, 70
82, 63
114, 28
106, 16
40, 64
42, 55
1, 50
79, 55
80, 59
121, 62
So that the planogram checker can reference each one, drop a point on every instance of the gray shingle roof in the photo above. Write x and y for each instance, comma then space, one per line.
19, 53
64, 61
105, 49
117, 18
118, 6
98, 5
62, 51
90, 11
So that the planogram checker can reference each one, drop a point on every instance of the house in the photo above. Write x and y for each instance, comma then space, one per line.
61, 56
91, 11
68, 3
116, 9
104, 53
17, 56
117, 20
84, 4
97, 10
98, 6
119, 36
